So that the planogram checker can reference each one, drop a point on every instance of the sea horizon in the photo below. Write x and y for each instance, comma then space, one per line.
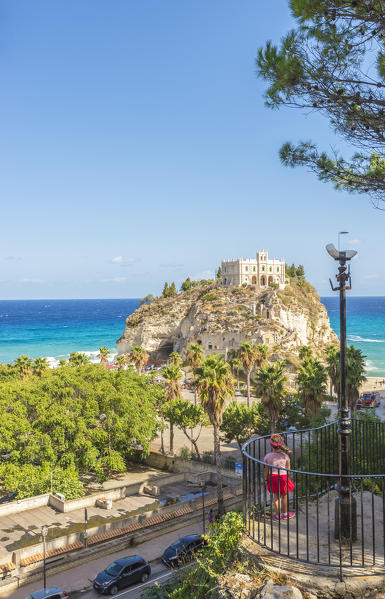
54, 328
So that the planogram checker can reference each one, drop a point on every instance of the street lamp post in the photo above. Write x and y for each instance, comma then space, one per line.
345, 524
202, 485
44, 533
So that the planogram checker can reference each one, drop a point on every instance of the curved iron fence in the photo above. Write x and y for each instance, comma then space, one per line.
313, 532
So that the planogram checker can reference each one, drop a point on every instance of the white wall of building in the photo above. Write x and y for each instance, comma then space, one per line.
256, 272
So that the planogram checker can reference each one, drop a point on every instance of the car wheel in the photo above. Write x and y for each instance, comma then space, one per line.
145, 577
113, 590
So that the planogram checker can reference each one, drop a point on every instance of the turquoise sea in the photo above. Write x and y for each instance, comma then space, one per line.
54, 328
365, 327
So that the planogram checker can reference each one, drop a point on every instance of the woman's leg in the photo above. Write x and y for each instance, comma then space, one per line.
284, 503
276, 504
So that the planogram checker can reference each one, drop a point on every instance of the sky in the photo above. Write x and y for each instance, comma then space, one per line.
135, 148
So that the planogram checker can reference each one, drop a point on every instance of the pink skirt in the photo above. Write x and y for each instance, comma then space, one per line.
285, 484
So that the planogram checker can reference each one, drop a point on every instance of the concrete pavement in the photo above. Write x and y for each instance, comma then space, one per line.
80, 577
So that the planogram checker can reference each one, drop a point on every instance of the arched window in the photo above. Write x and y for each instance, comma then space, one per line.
263, 281
254, 280
270, 279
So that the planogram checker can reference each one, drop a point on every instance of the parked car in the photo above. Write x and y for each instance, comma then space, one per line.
368, 400
121, 573
182, 550
52, 593
359, 404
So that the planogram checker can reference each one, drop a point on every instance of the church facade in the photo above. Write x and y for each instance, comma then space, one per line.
256, 272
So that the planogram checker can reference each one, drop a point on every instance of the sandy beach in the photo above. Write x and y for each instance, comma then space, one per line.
374, 383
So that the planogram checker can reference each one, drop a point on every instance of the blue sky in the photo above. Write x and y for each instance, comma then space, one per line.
135, 148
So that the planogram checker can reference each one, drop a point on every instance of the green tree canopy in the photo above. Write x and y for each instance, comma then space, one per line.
85, 418
333, 63
311, 380
270, 384
186, 285
249, 354
240, 423
139, 357
186, 416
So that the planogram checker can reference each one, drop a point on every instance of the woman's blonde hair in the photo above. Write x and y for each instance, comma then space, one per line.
276, 441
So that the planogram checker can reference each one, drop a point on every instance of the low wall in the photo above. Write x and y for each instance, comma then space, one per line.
75, 537
189, 467
20, 505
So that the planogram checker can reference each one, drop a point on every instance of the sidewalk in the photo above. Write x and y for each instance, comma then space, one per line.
80, 577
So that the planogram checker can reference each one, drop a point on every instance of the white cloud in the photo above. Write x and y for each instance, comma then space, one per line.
12, 259
114, 280
355, 241
374, 276
28, 280
121, 261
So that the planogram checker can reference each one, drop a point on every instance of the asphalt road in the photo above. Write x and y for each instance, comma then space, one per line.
159, 573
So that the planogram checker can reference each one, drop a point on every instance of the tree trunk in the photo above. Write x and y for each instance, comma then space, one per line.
218, 462
248, 387
196, 448
238, 378
162, 439
171, 438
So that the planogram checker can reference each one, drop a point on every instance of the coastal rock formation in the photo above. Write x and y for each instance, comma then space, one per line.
220, 319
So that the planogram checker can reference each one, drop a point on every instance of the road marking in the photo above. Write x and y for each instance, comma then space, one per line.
144, 584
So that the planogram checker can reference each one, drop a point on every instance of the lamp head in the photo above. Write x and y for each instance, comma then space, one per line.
341, 256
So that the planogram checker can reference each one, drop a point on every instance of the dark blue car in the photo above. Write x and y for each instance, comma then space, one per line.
182, 550
122, 573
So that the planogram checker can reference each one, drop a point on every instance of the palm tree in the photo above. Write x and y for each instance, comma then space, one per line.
236, 365
39, 365
62, 363
311, 380
333, 368
355, 374
104, 352
78, 359
121, 361
248, 354
214, 384
139, 357
23, 365
305, 352
355, 371
194, 358
172, 390
174, 358
263, 354
270, 383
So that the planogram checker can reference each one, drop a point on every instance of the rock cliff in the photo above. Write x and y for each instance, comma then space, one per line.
221, 318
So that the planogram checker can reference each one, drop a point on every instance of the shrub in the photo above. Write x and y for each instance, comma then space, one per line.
209, 297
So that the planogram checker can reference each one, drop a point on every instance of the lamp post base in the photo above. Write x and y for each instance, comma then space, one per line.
345, 520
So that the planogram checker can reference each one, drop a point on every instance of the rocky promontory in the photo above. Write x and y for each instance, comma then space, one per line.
221, 318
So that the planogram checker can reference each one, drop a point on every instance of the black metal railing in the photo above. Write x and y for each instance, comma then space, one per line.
312, 534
